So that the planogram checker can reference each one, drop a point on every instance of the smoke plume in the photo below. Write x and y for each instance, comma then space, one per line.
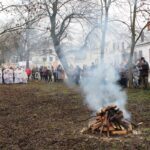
102, 89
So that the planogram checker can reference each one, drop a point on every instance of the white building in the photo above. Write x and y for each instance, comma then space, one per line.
46, 58
142, 48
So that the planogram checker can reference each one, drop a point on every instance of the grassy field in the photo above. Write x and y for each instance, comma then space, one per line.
41, 116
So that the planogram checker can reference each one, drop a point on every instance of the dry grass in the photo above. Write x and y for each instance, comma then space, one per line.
40, 116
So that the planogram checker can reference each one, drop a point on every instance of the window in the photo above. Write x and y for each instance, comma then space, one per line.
44, 59
135, 56
114, 46
123, 46
50, 58
118, 46
142, 37
140, 54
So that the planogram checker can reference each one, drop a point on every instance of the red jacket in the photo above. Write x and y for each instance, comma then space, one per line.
28, 71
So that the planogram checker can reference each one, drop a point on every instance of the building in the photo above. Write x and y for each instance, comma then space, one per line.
142, 49
46, 58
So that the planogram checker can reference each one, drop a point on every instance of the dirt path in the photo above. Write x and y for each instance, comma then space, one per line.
40, 116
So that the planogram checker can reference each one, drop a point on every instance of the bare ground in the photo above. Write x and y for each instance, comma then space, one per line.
41, 116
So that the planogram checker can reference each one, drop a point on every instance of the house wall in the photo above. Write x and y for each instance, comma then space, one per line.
44, 60
143, 51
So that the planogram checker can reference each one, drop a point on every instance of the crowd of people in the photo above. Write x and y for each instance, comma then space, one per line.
10, 75
48, 74
140, 72
77, 73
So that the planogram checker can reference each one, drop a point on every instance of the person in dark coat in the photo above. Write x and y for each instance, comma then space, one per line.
49, 74
45, 73
123, 72
144, 72
77, 74
54, 72
33, 73
59, 73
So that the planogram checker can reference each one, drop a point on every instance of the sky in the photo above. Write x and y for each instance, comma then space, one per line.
120, 12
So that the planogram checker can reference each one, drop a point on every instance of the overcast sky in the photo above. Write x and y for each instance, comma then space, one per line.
121, 11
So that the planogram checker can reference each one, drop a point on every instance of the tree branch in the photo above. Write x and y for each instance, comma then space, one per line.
140, 33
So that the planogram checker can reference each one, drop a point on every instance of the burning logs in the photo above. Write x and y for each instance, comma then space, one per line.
110, 121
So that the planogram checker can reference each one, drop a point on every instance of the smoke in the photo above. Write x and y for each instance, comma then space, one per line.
100, 84
102, 89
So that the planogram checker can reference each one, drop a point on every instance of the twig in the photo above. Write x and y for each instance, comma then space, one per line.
87, 119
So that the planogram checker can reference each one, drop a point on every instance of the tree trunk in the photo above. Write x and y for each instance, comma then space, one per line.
103, 37
61, 57
132, 44
2, 60
27, 48
27, 63
27, 56
133, 36
130, 64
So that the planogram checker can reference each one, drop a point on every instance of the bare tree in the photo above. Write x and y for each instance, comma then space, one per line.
105, 6
61, 14
136, 31
26, 14
136, 9
8, 46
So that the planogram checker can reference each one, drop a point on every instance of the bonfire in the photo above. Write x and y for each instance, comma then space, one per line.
110, 121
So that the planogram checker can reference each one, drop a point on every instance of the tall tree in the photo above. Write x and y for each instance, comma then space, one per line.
136, 9
26, 14
61, 13
105, 5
